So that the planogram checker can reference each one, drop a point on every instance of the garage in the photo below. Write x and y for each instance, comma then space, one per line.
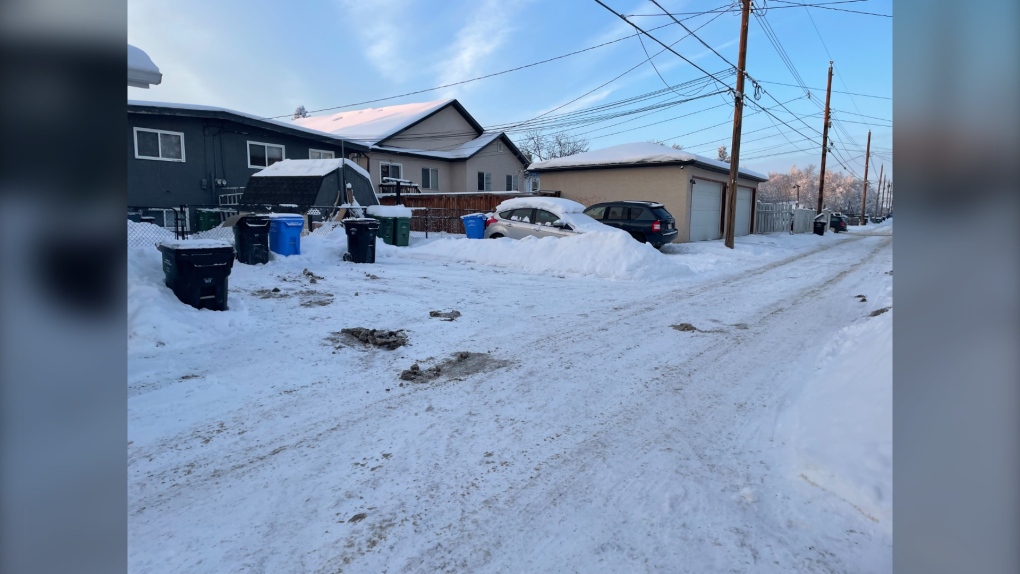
706, 210
742, 225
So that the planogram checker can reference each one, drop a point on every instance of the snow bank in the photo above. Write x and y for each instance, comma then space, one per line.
839, 430
556, 205
606, 255
389, 211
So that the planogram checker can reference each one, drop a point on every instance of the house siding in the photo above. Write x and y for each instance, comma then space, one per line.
412, 167
669, 185
213, 149
499, 163
444, 130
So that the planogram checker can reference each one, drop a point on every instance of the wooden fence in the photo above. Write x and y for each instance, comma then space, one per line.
777, 217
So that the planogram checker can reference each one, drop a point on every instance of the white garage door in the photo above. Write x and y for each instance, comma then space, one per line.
706, 210
742, 225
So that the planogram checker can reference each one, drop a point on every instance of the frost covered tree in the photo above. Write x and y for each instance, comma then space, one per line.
300, 112
538, 146
723, 154
663, 142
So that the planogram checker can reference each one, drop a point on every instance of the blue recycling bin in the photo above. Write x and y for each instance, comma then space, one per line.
474, 225
285, 233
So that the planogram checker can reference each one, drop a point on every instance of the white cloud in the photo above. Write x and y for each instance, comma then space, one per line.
488, 28
383, 28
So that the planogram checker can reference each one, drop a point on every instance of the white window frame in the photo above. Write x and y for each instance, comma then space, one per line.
515, 183
247, 151
321, 151
382, 163
499, 146
157, 132
433, 183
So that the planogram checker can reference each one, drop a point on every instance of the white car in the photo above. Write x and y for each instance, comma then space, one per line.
521, 217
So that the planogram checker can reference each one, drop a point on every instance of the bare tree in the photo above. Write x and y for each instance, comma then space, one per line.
300, 112
537, 146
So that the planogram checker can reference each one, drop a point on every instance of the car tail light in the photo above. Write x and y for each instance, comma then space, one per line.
656, 226
490, 220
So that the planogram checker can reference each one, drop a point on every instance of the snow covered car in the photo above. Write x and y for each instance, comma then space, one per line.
521, 217
646, 221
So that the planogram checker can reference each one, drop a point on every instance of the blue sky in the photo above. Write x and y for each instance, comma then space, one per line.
266, 58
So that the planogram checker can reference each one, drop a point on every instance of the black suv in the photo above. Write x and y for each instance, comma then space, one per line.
646, 221
838, 222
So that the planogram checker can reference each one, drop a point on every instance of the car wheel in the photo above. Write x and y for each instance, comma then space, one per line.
495, 236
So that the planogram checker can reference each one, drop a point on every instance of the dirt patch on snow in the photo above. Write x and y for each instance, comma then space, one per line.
878, 312
456, 367
373, 337
273, 293
688, 328
445, 316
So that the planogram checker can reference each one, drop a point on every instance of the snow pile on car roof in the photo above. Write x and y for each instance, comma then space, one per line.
606, 255
556, 205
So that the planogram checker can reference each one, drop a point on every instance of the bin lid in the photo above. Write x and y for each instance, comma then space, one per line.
473, 216
180, 244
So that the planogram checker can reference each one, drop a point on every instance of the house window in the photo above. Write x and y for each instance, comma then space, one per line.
499, 146
429, 178
263, 154
159, 144
511, 183
394, 170
484, 181
320, 154
535, 185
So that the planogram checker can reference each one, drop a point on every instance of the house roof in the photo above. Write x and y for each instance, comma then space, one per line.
194, 110
465, 150
638, 154
373, 125
141, 72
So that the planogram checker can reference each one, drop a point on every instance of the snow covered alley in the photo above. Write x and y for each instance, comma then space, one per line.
599, 407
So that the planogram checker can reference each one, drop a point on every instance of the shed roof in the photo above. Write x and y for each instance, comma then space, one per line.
638, 154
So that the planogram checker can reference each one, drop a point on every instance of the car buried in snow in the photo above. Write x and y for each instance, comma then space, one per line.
522, 217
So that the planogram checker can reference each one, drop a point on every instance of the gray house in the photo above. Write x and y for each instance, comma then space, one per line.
187, 154
437, 145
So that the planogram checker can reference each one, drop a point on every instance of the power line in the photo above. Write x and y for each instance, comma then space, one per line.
822, 89
820, 4
795, 4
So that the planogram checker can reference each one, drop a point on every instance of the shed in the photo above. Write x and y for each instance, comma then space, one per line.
691, 186
309, 182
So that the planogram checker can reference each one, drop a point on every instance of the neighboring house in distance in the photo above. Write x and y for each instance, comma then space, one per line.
141, 72
691, 186
437, 145
187, 154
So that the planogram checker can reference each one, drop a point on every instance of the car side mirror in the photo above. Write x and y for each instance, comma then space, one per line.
559, 223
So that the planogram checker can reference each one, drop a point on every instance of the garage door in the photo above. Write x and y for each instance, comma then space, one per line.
742, 226
706, 210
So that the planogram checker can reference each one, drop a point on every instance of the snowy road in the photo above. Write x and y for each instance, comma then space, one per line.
587, 435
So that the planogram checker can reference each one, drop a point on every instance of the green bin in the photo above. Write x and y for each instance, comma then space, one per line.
208, 219
387, 225
402, 231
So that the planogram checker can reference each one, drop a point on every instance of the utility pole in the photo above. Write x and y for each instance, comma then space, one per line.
878, 203
888, 199
798, 194
738, 118
864, 198
825, 139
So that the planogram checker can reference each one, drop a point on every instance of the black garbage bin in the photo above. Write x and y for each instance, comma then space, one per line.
819, 227
251, 239
361, 234
197, 271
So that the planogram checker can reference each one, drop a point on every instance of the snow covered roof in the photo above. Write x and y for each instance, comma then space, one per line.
308, 168
200, 110
373, 125
638, 153
141, 72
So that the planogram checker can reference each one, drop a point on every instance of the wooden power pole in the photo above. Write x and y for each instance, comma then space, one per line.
738, 118
825, 139
864, 198
878, 203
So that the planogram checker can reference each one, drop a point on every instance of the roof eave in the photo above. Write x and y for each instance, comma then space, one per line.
696, 163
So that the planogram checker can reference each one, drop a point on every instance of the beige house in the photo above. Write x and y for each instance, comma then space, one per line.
690, 186
437, 145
